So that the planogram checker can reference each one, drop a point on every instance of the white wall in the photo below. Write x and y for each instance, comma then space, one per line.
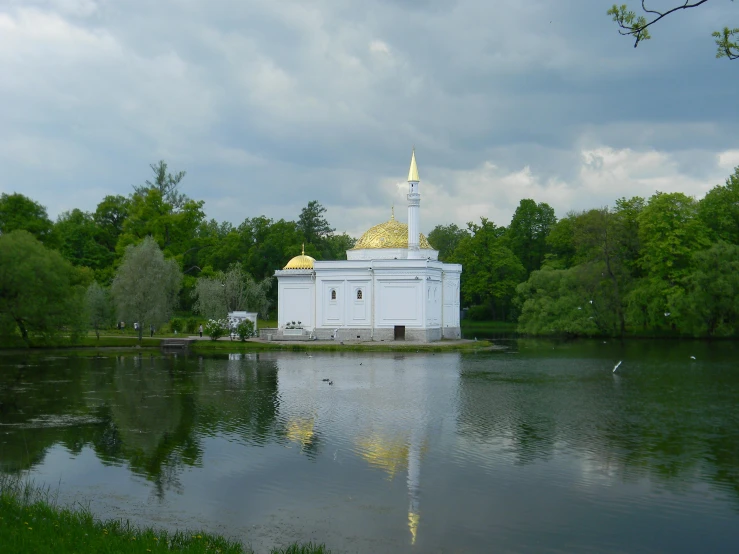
296, 300
433, 302
344, 301
399, 302
450, 292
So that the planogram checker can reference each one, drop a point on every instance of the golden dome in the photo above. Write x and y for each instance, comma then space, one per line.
300, 262
391, 234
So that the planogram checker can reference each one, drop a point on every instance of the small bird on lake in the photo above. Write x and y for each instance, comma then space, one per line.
330, 382
615, 368
325, 380
360, 363
692, 357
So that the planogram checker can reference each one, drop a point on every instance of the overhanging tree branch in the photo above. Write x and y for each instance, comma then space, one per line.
637, 26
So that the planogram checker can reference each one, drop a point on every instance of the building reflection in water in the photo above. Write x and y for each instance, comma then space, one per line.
381, 413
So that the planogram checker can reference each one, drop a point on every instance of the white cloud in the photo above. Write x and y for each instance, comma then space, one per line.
379, 46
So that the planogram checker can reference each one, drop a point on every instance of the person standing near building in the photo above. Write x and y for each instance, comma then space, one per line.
151, 329
201, 330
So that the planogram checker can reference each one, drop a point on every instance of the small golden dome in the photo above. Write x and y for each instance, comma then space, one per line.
391, 234
300, 262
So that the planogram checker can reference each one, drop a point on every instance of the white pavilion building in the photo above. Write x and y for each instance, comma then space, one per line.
391, 287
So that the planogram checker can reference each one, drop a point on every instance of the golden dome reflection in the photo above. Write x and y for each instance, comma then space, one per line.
391, 234
300, 262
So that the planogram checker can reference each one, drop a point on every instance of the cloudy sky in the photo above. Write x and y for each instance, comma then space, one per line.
270, 104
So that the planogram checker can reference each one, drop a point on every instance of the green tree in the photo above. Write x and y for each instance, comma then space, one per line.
313, 225
77, 238
719, 210
596, 237
39, 290
146, 285
234, 290
638, 26
528, 231
710, 302
335, 246
670, 233
445, 239
98, 308
555, 301
166, 184
20, 212
561, 243
491, 270
109, 216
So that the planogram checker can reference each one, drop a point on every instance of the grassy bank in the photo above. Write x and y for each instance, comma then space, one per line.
31, 522
330, 346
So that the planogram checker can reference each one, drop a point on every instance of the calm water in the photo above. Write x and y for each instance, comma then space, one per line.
538, 449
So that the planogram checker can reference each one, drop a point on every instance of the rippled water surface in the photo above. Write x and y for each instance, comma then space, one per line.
541, 448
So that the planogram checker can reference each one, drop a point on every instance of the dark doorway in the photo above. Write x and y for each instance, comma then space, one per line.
400, 332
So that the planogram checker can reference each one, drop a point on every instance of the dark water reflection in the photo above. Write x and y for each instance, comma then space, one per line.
538, 449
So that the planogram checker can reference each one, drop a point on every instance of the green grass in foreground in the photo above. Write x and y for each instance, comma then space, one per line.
30, 522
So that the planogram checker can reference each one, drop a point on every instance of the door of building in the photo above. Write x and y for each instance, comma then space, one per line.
400, 332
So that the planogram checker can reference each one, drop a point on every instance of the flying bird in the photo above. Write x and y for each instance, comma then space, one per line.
615, 368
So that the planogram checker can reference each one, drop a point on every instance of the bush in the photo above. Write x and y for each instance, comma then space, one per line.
479, 313
245, 329
216, 328
192, 324
176, 325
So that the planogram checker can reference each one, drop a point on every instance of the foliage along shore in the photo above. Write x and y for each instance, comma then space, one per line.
30, 521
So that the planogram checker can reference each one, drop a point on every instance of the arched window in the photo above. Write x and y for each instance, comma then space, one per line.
359, 294
333, 294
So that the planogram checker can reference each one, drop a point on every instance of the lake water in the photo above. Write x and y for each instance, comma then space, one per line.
541, 448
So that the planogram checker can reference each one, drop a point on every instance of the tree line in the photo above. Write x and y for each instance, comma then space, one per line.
667, 263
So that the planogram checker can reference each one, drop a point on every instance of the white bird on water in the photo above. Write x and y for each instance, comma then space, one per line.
615, 368
692, 357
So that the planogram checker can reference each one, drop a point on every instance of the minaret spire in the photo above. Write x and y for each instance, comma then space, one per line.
414, 208
413, 171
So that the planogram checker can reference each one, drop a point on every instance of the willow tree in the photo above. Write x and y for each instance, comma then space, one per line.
146, 286
231, 291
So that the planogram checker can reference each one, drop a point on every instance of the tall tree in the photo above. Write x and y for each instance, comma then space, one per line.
670, 233
492, 271
166, 183
146, 285
719, 210
445, 239
528, 231
77, 237
709, 304
39, 290
109, 216
638, 26
313, 225
20, 212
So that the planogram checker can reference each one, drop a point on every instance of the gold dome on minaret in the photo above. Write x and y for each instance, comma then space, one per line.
300, 262
391, 234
